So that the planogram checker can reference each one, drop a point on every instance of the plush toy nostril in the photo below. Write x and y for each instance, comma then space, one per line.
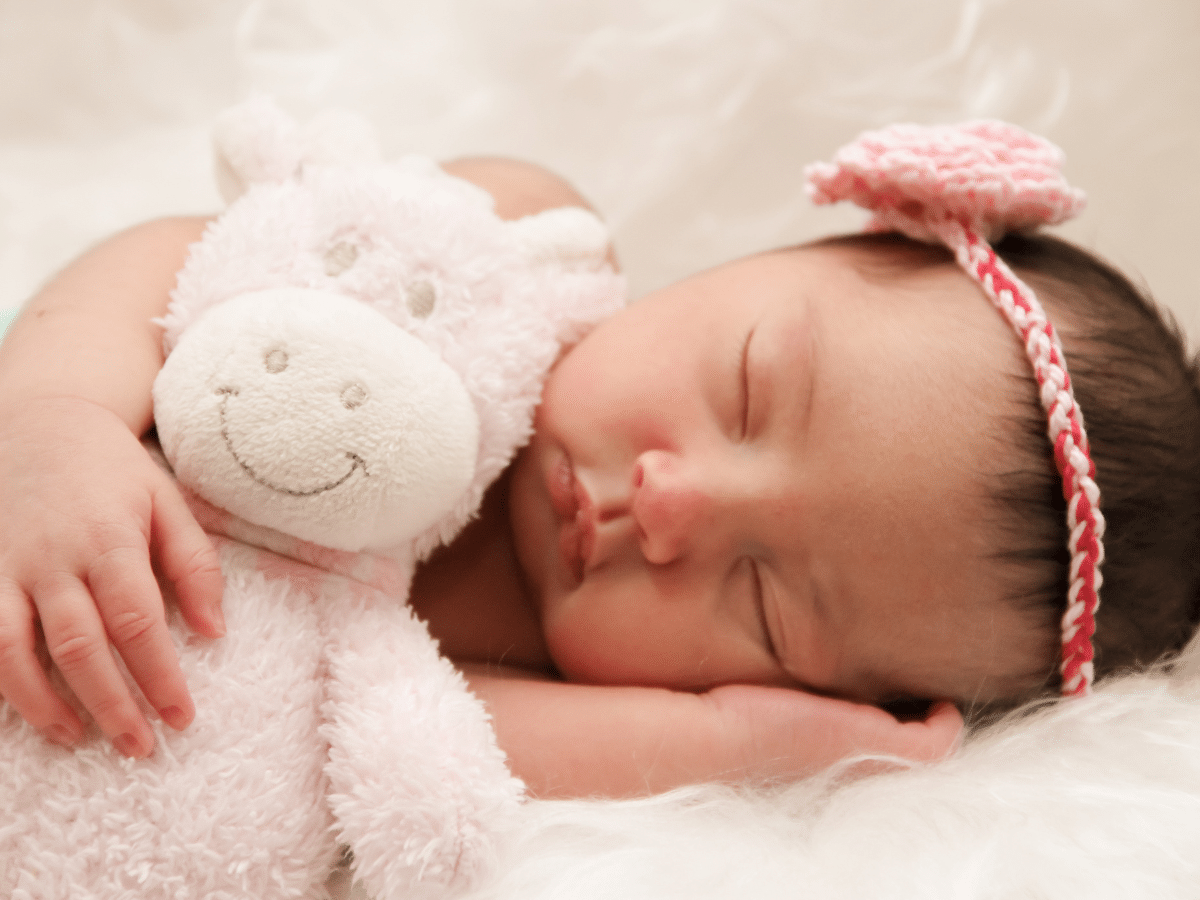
276, 360
354, 395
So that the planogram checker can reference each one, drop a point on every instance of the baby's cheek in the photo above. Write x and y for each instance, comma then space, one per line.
600, 634
575, 640
594, 640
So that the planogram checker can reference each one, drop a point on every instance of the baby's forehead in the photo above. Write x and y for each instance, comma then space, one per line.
903, 287
880, 255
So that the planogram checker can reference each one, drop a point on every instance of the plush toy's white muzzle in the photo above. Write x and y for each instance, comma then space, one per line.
312, 413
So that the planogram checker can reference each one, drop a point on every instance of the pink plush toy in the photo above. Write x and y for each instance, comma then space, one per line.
356, 349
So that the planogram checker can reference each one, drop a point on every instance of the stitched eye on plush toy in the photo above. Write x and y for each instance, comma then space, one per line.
276, 360
421, 298
354, 395
339, 258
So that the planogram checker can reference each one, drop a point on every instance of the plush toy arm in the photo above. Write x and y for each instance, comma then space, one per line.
417, 783
570, 236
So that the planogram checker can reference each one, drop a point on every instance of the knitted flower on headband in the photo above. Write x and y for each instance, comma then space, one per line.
966, 185
990, 175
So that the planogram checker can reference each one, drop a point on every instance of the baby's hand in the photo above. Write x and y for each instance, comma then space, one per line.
784, 733
82, 510
580, 740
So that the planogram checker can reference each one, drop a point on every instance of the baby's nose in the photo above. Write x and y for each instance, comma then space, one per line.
670, 506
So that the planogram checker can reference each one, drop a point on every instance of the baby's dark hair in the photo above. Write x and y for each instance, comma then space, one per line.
1139, 389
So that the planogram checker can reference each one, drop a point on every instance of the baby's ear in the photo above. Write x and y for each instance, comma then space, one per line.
569, 236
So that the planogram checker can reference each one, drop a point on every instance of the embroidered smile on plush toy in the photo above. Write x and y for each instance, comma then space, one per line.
355, 350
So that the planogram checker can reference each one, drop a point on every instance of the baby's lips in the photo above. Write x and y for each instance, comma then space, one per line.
570, 550
561, 484
577, 540
571, 502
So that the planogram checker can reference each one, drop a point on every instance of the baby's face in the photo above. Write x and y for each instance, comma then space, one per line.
773, 472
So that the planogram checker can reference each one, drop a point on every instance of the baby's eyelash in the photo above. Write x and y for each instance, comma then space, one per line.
760, 606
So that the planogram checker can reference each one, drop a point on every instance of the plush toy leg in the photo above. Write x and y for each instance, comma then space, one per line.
418, 785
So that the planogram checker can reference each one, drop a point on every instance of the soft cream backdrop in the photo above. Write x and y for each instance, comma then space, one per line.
686, 121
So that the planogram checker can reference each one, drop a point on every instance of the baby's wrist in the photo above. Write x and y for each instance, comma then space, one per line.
55, 416
69, 356
25, 400
33, 398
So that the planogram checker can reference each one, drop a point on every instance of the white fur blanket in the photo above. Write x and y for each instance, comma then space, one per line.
1097, 799
687, 123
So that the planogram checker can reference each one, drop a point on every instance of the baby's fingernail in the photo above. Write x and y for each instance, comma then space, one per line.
129, 746
175, 717
218, 620
60, 735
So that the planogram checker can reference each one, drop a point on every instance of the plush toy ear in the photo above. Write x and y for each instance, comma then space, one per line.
339, 136
255, 141
258, 142
570, 236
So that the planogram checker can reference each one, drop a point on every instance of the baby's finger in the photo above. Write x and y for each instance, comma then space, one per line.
930, 739
78, 645
943, 730
189, 562
23, 682
129, 601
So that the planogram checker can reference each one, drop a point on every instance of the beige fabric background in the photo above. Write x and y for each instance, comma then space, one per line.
686, 121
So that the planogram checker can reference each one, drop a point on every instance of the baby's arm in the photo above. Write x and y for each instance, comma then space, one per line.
83, 509
572, 740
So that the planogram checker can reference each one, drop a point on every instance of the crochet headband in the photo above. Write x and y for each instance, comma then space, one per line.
966, 186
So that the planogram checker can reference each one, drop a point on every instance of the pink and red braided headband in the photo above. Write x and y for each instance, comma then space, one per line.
965, 186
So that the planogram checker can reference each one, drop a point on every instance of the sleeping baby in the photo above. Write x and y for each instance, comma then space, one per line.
809, 504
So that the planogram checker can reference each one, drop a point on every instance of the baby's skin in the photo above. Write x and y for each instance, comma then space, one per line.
740, 523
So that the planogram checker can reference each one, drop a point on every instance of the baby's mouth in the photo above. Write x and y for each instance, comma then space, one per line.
576, 538
561, 483
577, 528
